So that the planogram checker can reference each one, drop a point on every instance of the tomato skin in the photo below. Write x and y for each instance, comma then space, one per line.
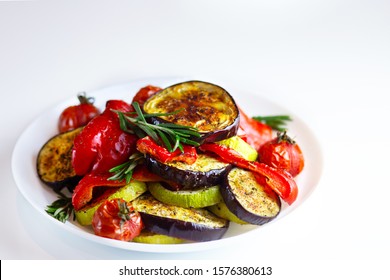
282, 152
77, 116
144, 93
108, 220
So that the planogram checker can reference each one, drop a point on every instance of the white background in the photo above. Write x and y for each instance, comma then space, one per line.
326, 61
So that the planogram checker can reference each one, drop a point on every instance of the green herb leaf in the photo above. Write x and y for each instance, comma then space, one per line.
125, 170
169, 135
277, 122
61, 209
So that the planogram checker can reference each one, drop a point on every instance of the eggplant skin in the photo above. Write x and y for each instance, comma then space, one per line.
208, 137
181, 229
187, 179
185, 223
247, 199
54, 162
207, 107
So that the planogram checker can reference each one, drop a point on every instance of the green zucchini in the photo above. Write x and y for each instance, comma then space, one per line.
220, 209
243, 148
198, 198
154, 238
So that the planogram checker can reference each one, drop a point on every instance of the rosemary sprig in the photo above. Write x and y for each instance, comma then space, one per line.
171, 136
125, 170
61, 209
277, 122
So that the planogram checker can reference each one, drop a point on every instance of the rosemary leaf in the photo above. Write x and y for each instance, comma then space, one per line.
277, 122
169, 135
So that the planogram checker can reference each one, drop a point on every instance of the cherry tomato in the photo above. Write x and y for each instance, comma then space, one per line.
144, 93
282, 152
117, 219
78, 115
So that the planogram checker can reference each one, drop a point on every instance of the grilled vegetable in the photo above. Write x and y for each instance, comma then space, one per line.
240, 146
198, 198
116, 219
205, 172
185, 223
129, 192
154, 238
54, 161
204, 106
220, 209
247, 199
278, 179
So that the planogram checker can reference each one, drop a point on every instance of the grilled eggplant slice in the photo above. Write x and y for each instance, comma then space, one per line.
247, 199
199, 198
205, 106
185, 223
205, 172
54, 162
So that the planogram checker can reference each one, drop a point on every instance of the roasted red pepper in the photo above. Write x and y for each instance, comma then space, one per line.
83, 192
256, 133
279, 180
142, 173
147, 145
102, 144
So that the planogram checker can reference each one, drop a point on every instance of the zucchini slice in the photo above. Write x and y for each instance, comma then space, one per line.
247, 199
154, 238
205, 106
185, 223
220, 209
207, 171
240, 146
54, 161
199, 198
129, 192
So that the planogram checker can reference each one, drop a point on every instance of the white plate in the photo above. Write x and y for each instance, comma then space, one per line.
45, 126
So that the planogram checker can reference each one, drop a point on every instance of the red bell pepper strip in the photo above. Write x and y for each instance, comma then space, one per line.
147, 145
83, 192
256, 133
102, 144
279, 180
142, 173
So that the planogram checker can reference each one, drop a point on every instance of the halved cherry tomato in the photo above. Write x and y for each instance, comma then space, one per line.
78, 115
256, 133
144, 93
282, 152
117, 219
278, 180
